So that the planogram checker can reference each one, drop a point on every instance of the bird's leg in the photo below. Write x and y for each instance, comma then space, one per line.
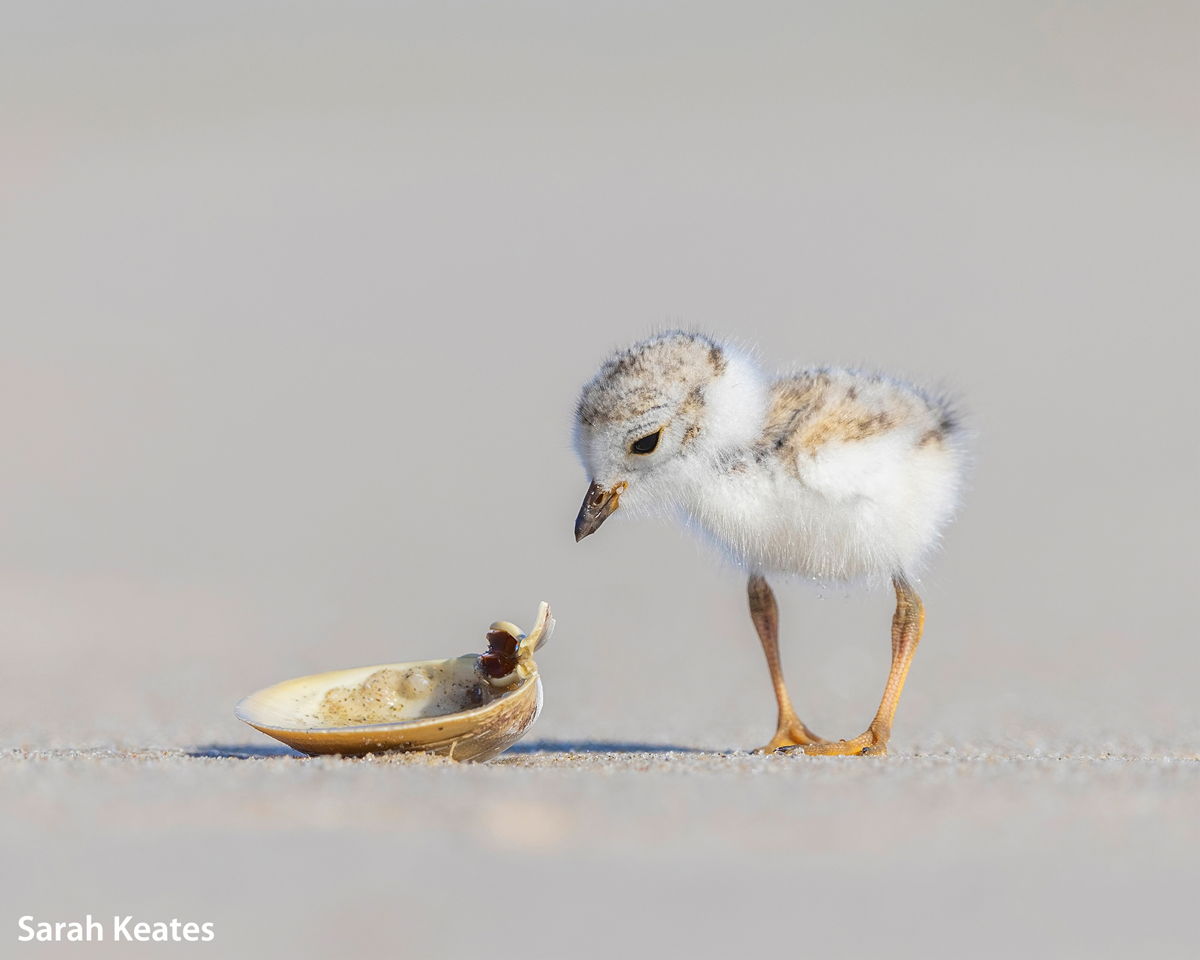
765, 614
907, 624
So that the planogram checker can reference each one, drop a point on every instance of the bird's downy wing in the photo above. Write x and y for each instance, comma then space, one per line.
850, 435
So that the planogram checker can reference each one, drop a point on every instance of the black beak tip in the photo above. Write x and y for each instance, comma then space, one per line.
583, 527
597, 506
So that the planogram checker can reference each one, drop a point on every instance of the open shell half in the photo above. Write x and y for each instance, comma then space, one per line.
467, 708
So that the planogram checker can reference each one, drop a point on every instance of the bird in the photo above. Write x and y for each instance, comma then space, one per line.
828, 473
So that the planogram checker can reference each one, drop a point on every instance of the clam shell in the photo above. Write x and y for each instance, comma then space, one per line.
324, 713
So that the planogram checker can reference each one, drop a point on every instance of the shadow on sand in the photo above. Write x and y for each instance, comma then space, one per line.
240, 751
593, 746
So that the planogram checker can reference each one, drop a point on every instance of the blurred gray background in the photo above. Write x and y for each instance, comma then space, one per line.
295, 303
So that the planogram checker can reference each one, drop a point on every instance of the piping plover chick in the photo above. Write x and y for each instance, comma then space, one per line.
831, 474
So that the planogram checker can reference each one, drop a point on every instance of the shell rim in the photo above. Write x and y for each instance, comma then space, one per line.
380, 727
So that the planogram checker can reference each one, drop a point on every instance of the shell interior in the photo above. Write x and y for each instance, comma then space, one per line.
368, 696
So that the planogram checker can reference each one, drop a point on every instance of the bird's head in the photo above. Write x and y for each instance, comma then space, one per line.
657, 416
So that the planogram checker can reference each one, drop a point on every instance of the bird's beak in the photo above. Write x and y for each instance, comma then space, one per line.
598, 505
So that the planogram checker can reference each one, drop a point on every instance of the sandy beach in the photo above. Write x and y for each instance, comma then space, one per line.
584, 851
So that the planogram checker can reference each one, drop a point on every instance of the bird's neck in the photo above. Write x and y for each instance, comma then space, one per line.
736, 407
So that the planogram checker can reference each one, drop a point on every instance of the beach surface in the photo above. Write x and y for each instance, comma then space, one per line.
595, 850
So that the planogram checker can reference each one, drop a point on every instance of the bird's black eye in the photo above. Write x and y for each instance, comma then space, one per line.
646, 444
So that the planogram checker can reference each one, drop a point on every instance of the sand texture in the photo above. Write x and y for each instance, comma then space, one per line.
596, 850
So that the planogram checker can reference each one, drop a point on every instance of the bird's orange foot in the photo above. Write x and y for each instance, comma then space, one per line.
873, 743
791, 732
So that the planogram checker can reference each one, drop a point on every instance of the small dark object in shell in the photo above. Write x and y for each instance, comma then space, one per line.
501, 658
